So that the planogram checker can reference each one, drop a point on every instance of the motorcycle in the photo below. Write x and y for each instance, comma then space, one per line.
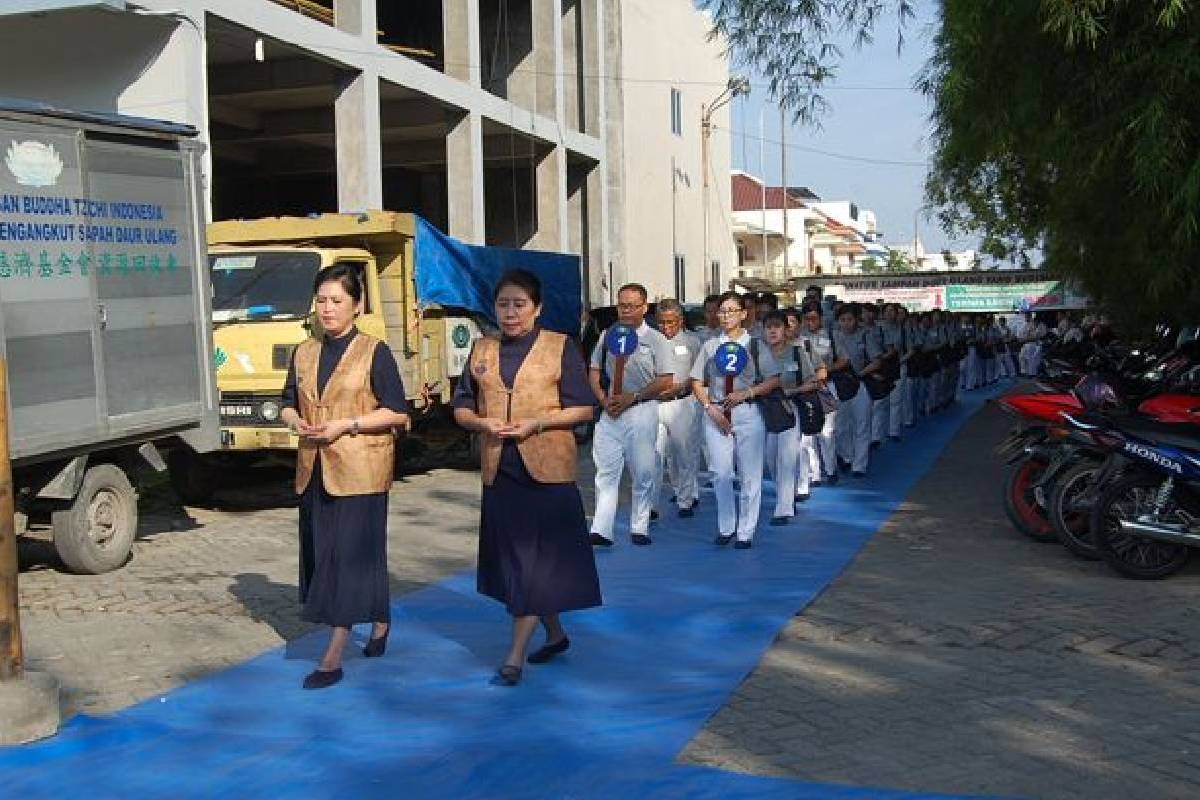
1146, 518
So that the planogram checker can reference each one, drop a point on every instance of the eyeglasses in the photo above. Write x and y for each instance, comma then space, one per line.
630, 306
729, 312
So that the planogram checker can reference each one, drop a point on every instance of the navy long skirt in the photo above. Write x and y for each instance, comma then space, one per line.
534, 555
343, 556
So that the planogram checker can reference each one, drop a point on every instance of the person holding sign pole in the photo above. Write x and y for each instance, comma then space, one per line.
630, 370
726, 381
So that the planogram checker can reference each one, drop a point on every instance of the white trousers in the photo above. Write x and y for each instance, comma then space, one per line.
1030, 358
900, 403
741, 450
627, 439
881, 412
969, 368
854, 430
782, 457
1008, 368
821, 450
677, 448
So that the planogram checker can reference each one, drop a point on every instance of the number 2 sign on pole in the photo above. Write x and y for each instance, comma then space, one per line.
622, 342
731, 359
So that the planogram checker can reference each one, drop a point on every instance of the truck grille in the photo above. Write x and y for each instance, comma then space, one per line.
245, 411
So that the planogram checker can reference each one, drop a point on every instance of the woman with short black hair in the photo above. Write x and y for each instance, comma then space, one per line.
344, 398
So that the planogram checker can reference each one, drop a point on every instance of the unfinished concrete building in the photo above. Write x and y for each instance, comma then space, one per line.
497, 120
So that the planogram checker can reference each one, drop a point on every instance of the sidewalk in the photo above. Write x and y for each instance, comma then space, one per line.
956, 655
683, 623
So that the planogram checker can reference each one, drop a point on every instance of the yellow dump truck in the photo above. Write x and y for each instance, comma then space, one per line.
262, 273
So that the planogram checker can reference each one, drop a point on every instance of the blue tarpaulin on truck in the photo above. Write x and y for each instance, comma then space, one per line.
450, 273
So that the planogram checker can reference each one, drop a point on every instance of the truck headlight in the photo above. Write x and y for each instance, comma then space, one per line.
269, 411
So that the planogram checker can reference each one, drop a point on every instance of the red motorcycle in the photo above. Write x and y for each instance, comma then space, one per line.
1053, 463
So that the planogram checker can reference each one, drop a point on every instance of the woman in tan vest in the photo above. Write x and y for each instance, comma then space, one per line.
343, 396
523, 393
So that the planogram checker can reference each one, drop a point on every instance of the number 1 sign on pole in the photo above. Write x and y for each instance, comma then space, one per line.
622, 342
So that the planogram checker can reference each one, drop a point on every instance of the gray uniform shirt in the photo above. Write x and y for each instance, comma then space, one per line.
705, 370
822, 346
893, 336
652, 359
685, 347
795, 367
931, 338
861, 347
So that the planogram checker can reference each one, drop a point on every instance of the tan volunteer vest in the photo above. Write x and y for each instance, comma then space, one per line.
352, 465
549, 456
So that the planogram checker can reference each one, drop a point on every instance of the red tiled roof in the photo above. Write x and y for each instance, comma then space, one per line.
747, 195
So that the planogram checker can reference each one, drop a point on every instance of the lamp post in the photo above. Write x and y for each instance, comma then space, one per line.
735, 86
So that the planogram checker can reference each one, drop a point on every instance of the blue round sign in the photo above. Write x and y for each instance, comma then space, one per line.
731, 359
622, 340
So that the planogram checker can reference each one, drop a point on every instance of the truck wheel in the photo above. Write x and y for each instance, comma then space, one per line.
192, 477
96, 533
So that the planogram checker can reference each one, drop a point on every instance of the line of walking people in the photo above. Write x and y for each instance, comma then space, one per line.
823, 387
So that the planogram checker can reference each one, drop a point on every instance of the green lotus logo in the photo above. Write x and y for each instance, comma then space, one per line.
460, 335
219, 357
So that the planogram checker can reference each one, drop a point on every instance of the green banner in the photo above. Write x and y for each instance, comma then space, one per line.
1031, 296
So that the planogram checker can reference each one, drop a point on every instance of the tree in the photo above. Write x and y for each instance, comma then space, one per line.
1071, 127
793, 43
898, 261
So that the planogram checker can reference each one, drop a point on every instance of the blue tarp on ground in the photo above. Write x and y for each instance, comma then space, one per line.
451, 273
683, 623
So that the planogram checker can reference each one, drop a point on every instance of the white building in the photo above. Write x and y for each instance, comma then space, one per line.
503, 122
943, 261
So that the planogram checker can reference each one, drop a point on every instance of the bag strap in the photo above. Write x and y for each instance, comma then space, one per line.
754, 355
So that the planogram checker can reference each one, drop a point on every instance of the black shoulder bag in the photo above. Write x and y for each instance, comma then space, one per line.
845, 382
810, 412
778, 413
878, 386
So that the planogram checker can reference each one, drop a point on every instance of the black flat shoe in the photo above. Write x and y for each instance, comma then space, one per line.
507, 675
640, 539
779, 522
377, 646
803, 498
743, 544
322, 678
549, 651
858, 474
723, 539
597, 540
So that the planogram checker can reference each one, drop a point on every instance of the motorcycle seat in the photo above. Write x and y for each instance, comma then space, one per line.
1171, 434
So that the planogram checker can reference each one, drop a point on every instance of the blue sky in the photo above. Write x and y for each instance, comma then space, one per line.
874, 114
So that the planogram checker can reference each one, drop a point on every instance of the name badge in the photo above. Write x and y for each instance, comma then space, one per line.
644, 348
681, 350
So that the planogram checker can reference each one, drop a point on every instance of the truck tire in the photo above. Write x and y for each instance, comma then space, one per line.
192, 477
96, 533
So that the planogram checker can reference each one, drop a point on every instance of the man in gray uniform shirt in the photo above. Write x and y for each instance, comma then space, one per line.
628, 425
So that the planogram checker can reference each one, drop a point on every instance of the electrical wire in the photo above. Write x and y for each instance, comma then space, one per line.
883, 162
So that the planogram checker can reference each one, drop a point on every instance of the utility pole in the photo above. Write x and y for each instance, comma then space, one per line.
787, 242
28, 701
762, 172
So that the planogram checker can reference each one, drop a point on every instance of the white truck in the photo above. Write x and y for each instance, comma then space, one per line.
104, 317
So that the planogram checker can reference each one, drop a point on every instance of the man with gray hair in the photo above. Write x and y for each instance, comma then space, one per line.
679, 433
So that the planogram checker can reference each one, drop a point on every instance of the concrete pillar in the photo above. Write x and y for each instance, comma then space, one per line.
357, 128
548, 57
596, 288
553, 229
460, 30
356, 17
359, 143
591, 40
521, 48
464, 179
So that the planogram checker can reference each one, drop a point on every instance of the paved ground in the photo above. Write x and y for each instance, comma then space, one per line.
954, 655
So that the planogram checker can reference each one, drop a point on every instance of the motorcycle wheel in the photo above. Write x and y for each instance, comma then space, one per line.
1130, 555
1020, 503
1073, 523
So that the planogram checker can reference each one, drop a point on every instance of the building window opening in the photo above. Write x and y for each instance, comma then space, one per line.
677, 112
680, 278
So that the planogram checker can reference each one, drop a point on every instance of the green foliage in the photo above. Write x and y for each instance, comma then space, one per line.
899, 262
1072, 126
793, 42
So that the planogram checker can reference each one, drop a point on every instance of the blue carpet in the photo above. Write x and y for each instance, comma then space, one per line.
683, 624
